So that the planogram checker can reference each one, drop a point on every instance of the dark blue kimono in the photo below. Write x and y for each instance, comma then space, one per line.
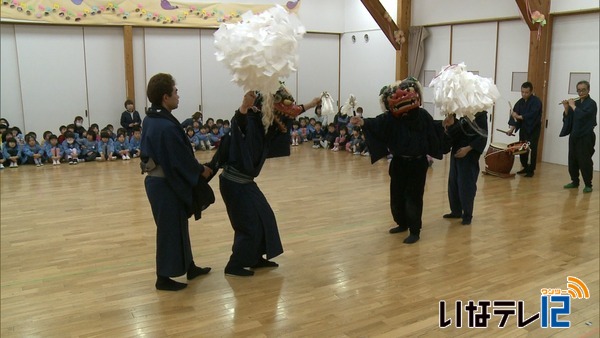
251, 216
409, 138
128, 118
579, 125
529, 128
171, 197
462, 179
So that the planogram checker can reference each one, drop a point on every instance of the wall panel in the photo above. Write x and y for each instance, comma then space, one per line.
318, 68
177, 52
11, 103
437, 55
105, 72
365, 68
570, 54
513, 56
52, 73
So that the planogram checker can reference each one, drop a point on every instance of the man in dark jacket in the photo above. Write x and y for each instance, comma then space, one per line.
173, 176
579, 120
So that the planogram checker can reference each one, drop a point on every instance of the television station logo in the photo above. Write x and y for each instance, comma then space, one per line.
554, 304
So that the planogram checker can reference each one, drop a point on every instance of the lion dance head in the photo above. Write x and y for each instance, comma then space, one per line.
401, 97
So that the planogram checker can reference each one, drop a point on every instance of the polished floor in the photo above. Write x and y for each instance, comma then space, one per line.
77, 255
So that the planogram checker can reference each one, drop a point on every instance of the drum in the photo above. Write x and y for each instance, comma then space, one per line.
518, 148
499, 160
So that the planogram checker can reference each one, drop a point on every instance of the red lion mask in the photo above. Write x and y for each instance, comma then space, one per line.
401, 98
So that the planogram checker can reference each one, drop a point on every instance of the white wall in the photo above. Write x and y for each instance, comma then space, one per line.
52, 75
513, 47
570, 55
11, 107
358, 18
177, 52
105, 74
430, 12
558, 6
437, 55
365, 68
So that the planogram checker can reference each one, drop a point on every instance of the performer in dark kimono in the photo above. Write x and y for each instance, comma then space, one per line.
579, 120
253, 132
173, 183
410, 134
526, 118
285, 112
468, 142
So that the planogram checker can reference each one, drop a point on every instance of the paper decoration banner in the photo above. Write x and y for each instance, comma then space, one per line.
134, 13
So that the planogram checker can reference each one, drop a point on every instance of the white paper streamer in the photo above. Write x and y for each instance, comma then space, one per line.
350, 104
327, 104
456, 91
261, 49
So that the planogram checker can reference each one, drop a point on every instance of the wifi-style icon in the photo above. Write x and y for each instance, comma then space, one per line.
577, 288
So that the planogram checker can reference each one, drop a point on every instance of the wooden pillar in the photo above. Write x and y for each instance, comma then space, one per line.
539, 57
404, 17
129, 79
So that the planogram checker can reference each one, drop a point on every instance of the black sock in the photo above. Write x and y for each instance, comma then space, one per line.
263, 263
412, 238
167, 284
238, 271
195, 271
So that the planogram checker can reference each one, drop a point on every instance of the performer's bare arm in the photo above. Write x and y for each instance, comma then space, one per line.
357, 121
248, 102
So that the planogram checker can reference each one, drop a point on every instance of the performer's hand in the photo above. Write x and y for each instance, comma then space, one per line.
207, 172
316, 101
357, 121
572, 104
510, 132
247, 102
449, 120
462, 152
515, 115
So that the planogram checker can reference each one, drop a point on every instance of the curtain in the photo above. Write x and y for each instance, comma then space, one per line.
416, 50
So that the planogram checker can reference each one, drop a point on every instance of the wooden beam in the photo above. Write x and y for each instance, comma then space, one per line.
522, 4
538, 69
128, 54
383, 19
404, 18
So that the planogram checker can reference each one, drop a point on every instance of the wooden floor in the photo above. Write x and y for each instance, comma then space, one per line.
77, 255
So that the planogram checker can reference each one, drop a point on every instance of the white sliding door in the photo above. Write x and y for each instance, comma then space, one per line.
105, 71
475, 45
513, 51
570, 54
437, 55
318, 68
177, 52
367, 64
10, 99
52, 72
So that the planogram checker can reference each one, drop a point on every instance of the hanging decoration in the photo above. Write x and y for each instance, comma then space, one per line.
536, 18
134, 13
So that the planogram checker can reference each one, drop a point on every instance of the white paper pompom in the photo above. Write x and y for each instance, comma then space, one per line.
350, 105
261, 49
456, 91
327, 104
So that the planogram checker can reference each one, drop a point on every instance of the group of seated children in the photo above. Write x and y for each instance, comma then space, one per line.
338, 136
206, 136
73, 145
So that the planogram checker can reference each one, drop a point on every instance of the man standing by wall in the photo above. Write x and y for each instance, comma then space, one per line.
526, 118
579, 120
